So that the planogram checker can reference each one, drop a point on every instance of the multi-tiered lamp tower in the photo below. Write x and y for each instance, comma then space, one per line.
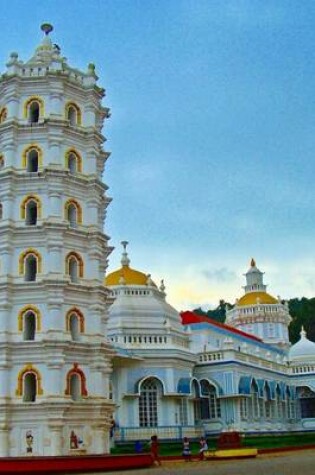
55, 361
259, 313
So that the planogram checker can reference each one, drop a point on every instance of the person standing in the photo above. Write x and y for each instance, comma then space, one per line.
203, 447
186, 449
155, 449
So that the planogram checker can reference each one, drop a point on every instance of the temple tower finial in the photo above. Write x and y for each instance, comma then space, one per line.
125, 261
46, 28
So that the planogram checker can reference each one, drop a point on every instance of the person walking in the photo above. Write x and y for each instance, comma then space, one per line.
186, 449
155, 446
203, 447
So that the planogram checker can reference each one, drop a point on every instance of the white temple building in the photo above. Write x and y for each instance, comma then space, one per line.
183, 374
55, 359
76, 350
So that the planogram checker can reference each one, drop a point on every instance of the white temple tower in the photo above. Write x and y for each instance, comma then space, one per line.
55, 361
259, 313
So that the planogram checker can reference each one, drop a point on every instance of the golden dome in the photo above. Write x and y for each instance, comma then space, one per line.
127, 276
251, 299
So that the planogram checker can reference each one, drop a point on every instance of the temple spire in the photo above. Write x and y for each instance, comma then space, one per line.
46, 28
254, 279
125, 261
46, 52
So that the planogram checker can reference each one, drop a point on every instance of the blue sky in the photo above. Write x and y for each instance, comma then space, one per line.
212, 133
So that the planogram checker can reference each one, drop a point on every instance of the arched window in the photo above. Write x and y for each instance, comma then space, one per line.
74, 326
306, 397
287, 403
210, 405
75, 387
34, 109
32, 161
29, 322
278, 403
73, 161
254, 402
30, 264
75, 323
29, 326
150, 394
73, 213
1, 162
74, 266
30, 210
195, 390
73, 269
31, 213
267, 402
76, 383
33, 112
293, 404
32, 158
29, 384
3, 114
30, 268
73, 114
30, 387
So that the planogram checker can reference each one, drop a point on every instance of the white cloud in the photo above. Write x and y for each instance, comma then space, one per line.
220, 275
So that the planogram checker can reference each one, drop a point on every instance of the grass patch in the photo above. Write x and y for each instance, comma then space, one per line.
274, 441
259, 442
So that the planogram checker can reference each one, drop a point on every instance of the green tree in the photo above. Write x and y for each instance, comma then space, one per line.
302, 312
218, 314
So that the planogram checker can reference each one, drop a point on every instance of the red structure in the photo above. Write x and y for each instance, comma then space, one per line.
229, 440
75, 464
189, 318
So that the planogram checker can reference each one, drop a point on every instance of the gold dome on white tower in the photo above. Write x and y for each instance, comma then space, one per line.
125, 275
259, 313
255, 290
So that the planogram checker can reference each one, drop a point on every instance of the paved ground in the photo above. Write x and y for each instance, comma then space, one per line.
285, 463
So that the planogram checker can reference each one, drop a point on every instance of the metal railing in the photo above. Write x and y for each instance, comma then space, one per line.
125, 434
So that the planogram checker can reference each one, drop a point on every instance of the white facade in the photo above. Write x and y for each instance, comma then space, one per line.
185, 375
55, 361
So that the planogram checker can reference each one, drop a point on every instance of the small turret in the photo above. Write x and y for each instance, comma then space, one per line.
254, 279
258, 312
125, 261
